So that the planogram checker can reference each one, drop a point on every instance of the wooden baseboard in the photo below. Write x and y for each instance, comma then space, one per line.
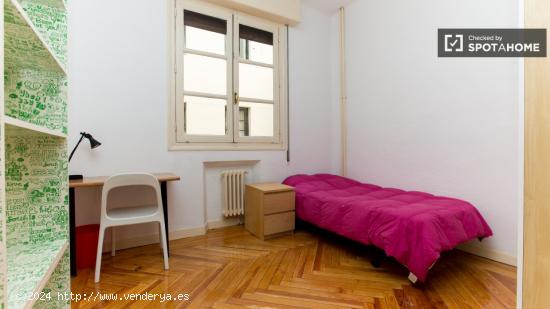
491, 254
125, 243
210, 225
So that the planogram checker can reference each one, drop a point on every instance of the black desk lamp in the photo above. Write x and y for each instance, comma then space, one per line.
93, 144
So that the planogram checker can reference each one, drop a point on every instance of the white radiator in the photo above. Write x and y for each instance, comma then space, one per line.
233, 192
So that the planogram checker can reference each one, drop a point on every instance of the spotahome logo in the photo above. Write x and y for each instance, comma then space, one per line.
491, 42
454, 43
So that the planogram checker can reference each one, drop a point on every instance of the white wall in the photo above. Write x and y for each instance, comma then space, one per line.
118, 78
446, 126
281, 11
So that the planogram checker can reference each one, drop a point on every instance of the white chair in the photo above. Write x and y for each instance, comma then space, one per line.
129, 215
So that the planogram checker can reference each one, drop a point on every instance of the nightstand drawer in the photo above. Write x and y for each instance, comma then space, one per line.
278, 223
278, 202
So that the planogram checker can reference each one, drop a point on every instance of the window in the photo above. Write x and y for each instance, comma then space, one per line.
229, 79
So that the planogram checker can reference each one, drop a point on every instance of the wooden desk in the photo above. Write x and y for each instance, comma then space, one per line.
89, 182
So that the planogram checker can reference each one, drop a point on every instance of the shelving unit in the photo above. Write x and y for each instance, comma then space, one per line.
41, 259
35, 80
34, 219
23, 125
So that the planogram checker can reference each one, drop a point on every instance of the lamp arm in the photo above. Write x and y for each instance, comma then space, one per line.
76, 146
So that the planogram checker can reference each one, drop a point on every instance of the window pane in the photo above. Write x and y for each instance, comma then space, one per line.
205, 33
255, 82
203, 40
243, 121
204, 74
255, 44
260, 119
255, 51
205, 22
204, 116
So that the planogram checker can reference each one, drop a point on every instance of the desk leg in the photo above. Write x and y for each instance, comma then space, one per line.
72, 236
164, 196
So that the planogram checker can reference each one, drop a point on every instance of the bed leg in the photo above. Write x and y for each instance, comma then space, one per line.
376, 262
417, 284
379, 256
412, 278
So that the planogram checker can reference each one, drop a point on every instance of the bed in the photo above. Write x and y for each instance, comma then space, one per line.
412, 227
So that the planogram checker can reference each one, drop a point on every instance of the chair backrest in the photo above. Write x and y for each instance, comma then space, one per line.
126, 180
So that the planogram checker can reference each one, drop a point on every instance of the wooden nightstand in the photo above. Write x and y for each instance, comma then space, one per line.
269, 209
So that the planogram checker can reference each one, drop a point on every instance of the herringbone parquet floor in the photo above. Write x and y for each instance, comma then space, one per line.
229, 268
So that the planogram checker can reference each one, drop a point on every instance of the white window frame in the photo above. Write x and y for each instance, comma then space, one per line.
177, 139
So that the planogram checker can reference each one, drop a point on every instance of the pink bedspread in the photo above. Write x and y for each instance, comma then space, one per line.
413, 227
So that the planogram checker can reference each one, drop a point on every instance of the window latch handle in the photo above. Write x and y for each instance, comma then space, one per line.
236, 98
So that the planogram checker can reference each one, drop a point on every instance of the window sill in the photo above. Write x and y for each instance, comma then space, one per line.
226, 147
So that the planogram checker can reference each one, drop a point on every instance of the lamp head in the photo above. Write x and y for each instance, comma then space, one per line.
93, 142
